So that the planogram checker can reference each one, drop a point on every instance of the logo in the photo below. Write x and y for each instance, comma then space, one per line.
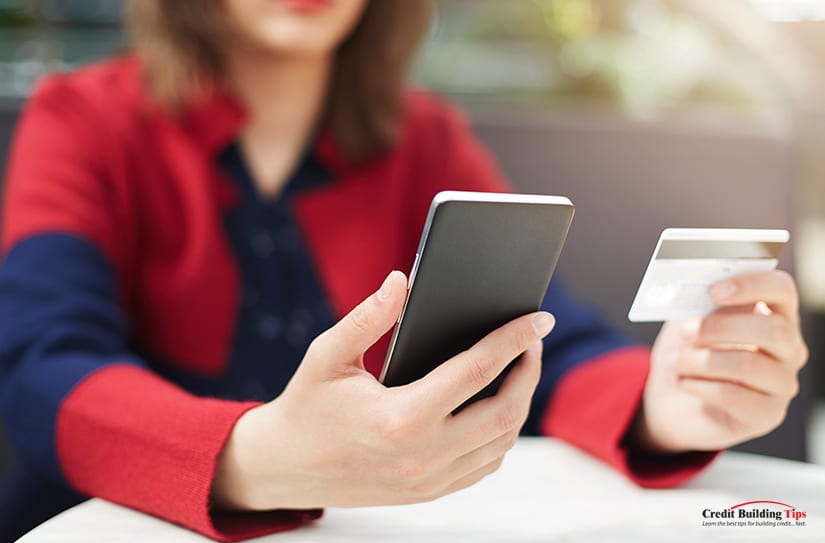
758, 513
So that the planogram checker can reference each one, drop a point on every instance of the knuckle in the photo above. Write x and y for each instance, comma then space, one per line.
684, 364
397, 428
747, 364
779, 416
779, 330
492, 467
695, 361
511, 441
727, 393
485, 471
793, 388
497, 464
359, 318
508, 418
702, 361
525, 413
775, 424
523, 336
713, 321
412, 472
788, 283
430, 497
804, 355
425, 490
480, 369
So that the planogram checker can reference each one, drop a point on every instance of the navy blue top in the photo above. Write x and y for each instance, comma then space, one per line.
283, 305
283, 308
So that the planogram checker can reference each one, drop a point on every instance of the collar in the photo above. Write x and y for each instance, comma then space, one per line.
215, 120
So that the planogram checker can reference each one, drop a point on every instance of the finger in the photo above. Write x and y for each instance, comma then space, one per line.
472, 478
488, 419
747, 309
440, 481
363, 326
460, 378
775, 334
759, 308
776, 288
482, 456
754, 371
751, 412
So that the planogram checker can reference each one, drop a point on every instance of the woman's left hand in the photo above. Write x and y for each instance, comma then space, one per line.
727, 378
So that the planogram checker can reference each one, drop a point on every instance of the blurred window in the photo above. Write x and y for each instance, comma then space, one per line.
792, 10
640, 58
41, 36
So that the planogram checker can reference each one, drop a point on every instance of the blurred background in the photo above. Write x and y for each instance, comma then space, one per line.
646, 113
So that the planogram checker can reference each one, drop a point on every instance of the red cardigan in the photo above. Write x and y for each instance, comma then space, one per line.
96, 158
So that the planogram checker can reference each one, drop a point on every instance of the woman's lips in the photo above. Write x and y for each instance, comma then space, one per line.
306, 5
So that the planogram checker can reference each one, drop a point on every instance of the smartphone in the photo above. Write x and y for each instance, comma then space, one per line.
484, 259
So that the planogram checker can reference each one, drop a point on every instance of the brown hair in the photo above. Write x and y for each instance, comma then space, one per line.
176, 40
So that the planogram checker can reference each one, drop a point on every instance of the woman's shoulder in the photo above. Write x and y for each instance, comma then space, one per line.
111, 88
438, 142
433, 127
427, 114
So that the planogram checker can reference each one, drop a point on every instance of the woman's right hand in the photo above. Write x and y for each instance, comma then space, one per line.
336, 437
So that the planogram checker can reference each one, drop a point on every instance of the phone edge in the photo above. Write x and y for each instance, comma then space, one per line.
463, 196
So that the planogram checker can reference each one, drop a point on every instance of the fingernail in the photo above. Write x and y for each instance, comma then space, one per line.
386, 289
543, 323
723, 291
690, 328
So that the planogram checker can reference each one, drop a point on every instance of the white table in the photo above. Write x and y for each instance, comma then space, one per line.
546, 491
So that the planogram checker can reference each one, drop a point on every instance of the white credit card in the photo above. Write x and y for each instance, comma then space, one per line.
688, 261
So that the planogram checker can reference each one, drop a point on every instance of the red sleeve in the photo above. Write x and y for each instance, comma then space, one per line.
120, 431
126, 435
593, 407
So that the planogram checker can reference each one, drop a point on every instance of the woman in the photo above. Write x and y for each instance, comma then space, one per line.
184, 227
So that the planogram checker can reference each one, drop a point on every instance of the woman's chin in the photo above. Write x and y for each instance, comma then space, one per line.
300, 28
296, 44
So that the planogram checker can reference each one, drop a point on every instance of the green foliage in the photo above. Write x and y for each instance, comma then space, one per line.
641, 57
13, 15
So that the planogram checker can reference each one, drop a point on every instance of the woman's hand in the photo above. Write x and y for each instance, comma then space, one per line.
337, 437
729, 377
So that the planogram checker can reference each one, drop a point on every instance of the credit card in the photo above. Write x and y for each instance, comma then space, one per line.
688, 261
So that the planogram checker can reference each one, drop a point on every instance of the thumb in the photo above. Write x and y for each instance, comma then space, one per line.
346, 342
